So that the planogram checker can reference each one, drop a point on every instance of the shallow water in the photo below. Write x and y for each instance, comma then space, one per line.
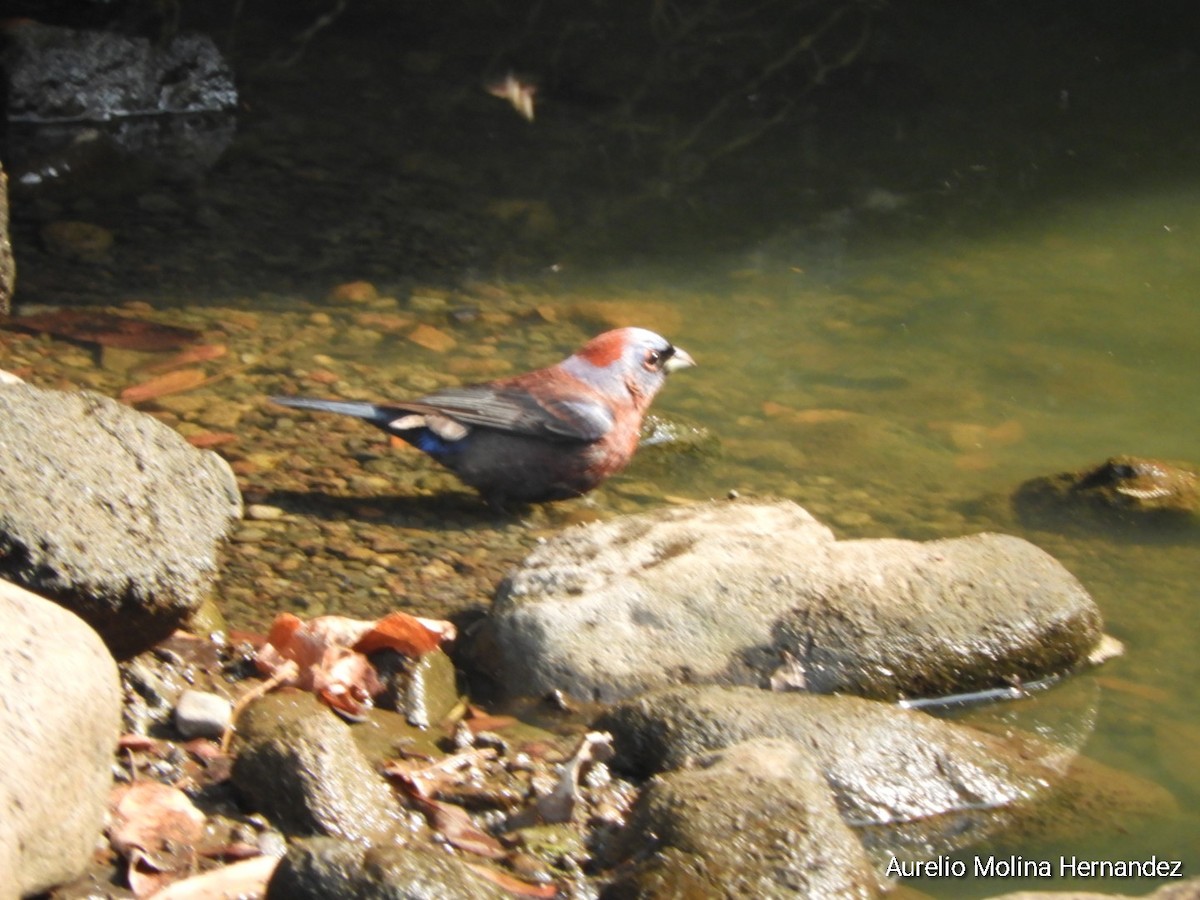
901, 310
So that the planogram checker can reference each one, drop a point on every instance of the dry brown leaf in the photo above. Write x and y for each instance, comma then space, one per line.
329, 653
325, 664
175, 382
246, 879
155, 827
511, 884
455, 824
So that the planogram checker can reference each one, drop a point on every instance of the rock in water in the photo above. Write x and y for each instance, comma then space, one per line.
761, 593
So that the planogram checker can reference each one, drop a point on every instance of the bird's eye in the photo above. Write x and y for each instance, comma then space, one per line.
656, 359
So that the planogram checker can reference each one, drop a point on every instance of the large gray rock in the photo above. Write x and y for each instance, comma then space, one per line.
60, 716
885, 764
748, 592
754, 820
109, 512
299, 765
911, 785
59, 74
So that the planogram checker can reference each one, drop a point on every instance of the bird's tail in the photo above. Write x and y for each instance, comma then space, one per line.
377, 415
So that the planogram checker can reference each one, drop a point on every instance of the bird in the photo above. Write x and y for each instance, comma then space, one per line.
546, 435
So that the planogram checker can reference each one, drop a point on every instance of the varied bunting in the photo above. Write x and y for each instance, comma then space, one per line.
546, 435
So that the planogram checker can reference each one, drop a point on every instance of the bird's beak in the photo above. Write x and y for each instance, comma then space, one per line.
680, 359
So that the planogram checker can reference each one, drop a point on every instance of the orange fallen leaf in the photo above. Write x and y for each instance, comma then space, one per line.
328, 654
324, 663
174, 382
191, 356
406, 634
208, 439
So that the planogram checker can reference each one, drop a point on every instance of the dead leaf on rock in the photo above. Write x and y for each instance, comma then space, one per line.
247, 878
410, 635
458, 828
328, 653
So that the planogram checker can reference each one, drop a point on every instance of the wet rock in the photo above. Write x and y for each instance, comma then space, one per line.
109, 512
753, 820
885, 764
318, 868
423, 690
59, 721
1122, 489
298, 764
746, 592
908, 783
57, 74
84, 104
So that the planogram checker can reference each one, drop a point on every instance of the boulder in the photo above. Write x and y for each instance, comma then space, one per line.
760, 593
109, 512
60, 716
910, 784
59, 74
790, 841
885, 764
1123, 491
298, 764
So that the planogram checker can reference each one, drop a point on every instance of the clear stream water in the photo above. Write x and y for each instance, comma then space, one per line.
975, 262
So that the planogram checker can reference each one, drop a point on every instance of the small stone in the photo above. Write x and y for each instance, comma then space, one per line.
263, 512
431, 339
427, 302
354, 292
201, 714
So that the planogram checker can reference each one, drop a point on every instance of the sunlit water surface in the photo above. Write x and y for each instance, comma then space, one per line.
978, 363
